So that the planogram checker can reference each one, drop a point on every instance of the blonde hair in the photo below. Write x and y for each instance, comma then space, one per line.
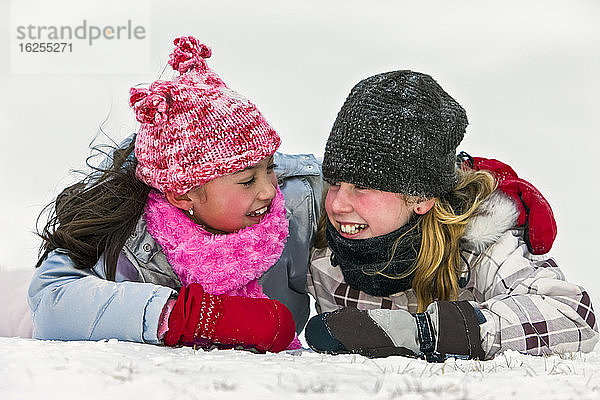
436, 269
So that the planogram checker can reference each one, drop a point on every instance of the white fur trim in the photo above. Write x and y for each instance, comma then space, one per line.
495, 216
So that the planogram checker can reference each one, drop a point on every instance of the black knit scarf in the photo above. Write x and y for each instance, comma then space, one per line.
360, 259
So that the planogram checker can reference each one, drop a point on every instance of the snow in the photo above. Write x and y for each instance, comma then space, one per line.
31, 369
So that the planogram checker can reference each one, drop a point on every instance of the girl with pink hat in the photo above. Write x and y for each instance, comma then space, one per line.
173, 240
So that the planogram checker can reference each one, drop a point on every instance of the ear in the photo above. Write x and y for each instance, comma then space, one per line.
424, 206
181, 201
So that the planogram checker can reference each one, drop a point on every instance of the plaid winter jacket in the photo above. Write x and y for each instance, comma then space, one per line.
526, 303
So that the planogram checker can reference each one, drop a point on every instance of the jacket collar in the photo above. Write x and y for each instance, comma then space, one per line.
141, 243
496, 215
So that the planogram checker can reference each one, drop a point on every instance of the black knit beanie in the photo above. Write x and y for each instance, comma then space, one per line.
397, 132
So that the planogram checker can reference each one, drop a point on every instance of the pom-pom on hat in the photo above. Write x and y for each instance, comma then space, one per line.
194, 128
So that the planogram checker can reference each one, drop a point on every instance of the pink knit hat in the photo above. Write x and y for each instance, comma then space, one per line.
194, 128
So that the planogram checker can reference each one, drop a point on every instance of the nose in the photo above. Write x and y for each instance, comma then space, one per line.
267, 189
340, 201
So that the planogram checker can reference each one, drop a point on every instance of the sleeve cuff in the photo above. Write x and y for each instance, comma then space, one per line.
458, 330
152, 313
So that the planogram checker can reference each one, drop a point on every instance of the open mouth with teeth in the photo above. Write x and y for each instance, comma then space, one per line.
352, 229
259, 212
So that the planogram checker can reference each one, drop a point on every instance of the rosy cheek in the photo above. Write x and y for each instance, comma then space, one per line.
367, 206
380, 211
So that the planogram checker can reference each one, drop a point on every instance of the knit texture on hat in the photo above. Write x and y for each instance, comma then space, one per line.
397, 132
194, 128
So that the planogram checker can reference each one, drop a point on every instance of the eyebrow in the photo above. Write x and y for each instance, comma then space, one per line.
252, 166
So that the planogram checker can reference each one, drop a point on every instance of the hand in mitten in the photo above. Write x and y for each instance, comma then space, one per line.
373, 333
199, 317
535, 212
447, 329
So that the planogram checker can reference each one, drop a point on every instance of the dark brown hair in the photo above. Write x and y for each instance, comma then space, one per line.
96, 215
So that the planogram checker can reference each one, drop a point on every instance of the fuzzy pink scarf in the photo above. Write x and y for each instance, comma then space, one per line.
223, 264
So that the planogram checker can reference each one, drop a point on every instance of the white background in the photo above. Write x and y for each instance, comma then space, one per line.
528, 74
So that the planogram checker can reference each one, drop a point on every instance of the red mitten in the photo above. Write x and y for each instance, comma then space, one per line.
264, 324
534, 210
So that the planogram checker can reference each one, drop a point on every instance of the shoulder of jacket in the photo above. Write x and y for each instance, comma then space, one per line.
294, 165
299, 177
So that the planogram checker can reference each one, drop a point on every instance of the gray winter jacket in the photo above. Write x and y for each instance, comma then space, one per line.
524, 301
80, 304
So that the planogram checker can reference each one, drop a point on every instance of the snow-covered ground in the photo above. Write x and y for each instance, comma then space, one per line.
31, 369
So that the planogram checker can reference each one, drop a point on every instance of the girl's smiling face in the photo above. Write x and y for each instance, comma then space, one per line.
229, 203
361, 213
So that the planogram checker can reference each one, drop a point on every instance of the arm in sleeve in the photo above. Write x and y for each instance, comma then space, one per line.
528, 305
76, 304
